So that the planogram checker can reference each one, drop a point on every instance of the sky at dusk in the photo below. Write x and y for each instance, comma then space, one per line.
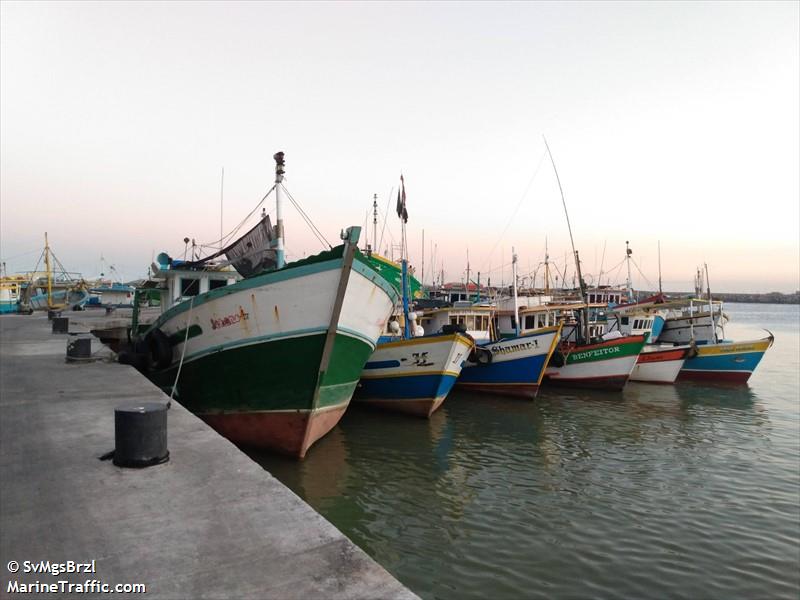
670, 122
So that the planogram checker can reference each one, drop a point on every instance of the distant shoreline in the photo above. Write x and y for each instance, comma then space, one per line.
768, 298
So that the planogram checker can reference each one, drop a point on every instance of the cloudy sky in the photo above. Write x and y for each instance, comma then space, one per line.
669, 122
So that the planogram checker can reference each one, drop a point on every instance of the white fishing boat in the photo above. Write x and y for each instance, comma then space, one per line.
269, 357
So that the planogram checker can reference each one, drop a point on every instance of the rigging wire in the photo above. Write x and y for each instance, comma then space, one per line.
307, 219
385, 218
649, 283
519, 203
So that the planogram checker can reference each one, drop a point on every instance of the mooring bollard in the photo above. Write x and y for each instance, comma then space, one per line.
52, 314
79, 349
140, 434
61, 325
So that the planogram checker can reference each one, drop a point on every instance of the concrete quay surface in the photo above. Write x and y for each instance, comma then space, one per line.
210, 523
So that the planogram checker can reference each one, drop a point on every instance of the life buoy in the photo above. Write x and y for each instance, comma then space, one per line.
159, 349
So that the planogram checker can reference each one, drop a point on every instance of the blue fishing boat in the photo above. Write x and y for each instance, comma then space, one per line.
726, 361
409, 371
512, 364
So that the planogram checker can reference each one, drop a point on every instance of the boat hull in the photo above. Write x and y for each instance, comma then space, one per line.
605, 365
728, 362
63, 299
413, 376
517, 364
266, 360
659, 365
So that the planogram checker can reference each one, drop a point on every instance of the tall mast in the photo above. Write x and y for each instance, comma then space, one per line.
514, 277
403, 260
375, 222
221, 191
710, 305
279, 171
546, 269
572, 242
466, 286
49, 273
628, 253
659, 266
423, 257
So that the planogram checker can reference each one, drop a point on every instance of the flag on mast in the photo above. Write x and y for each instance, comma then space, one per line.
401, 201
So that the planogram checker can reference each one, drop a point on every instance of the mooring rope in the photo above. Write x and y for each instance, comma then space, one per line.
183, 351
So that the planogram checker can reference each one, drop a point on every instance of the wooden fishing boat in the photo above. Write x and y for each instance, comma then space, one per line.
413, 375
661, 364
604, 364
269, 358
726, 361
509, 363
409, 371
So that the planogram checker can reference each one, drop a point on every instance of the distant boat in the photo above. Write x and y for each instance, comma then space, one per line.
51, 289
269, 356
10, 292
112, 294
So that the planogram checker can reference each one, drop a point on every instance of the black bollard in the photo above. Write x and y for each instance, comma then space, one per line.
60, 324
79, 349
140, 433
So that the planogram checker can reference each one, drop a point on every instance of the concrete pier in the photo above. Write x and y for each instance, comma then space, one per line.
210, 523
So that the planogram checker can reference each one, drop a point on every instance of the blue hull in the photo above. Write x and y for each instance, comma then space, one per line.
726, 362
406, 388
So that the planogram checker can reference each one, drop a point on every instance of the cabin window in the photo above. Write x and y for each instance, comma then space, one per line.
453, 320
513, 323
217, 283
461, 320
530, 322
485, 323
190, 287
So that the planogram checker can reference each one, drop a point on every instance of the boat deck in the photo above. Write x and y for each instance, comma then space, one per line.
210, 523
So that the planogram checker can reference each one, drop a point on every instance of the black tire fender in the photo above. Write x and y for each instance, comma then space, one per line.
159, 348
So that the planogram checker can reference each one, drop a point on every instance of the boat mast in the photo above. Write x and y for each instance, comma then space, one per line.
279, 171
375, 223
49, 273
423, 257
628, 253
401, 193
659, 267
710, 305
221, 195
546, 269
581, 284
514, 277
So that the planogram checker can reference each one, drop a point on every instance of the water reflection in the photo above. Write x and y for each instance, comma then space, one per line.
575, 494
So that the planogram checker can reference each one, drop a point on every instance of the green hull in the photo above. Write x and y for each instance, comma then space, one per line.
274, 375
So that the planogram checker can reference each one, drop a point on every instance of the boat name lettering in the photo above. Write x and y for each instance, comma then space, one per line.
596, 353
230, 319
421, 359
514, 347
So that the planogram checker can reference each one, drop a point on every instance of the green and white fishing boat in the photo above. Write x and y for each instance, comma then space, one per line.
270, 354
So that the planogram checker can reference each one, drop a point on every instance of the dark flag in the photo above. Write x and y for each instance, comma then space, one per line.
401, 201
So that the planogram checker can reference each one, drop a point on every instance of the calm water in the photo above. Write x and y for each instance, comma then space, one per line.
683, 491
